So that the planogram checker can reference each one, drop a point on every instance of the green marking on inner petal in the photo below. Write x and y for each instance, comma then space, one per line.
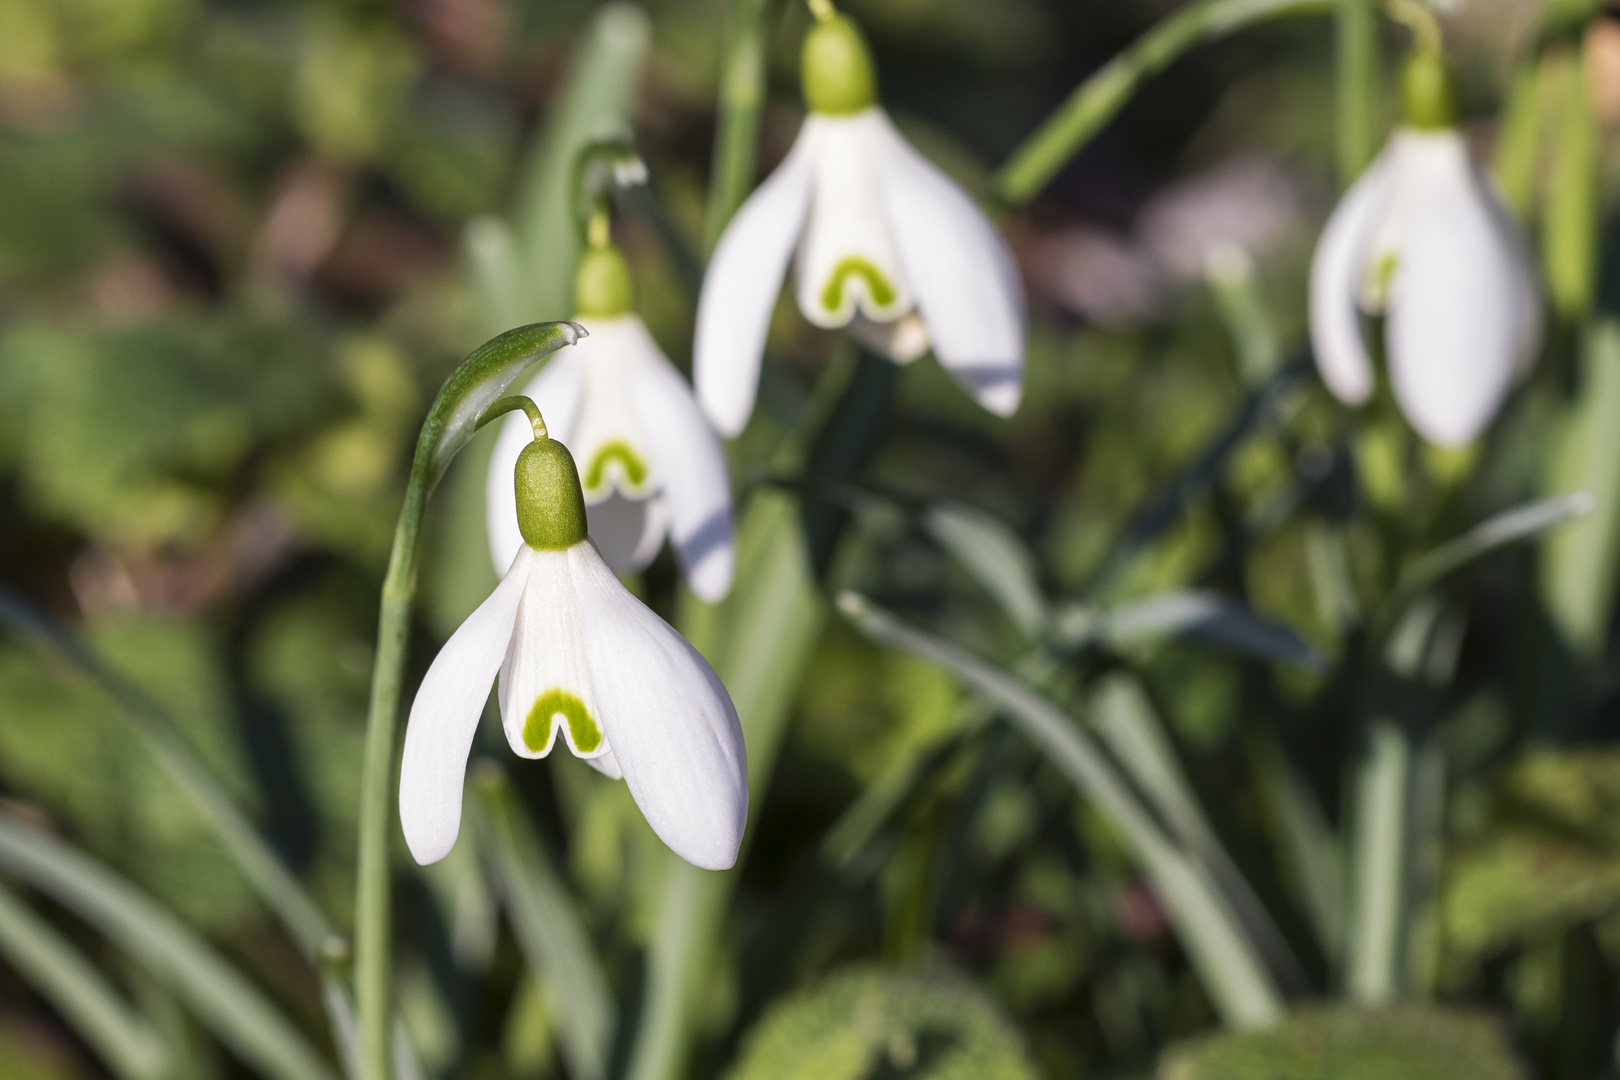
583, 729
877, 286
1379, 276
635, 470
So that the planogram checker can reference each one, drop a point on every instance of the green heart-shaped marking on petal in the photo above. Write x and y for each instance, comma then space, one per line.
582, 728
877, 286
635, 470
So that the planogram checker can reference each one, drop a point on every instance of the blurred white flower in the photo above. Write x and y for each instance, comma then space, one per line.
1422, 240
652, 465
577, 654
882, 242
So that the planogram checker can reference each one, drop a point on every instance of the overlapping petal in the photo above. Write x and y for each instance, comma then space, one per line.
1336, 270
739, 291
674, 732
696, 486
960, 271
444, 718
1454, 319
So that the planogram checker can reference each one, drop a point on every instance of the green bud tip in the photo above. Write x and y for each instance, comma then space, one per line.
602, 284
550, 504
836, 67
1427, 102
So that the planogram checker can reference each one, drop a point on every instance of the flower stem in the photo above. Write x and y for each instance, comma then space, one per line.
1095, 102
372, 900
742, 93
1356, 87
1378, 866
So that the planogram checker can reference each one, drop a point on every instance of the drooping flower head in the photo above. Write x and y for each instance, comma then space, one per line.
882, 242
1422, 240
580, 658
652, 465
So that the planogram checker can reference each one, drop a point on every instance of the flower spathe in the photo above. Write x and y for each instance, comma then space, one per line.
881, 241
651, 464
578, 657
1421, 239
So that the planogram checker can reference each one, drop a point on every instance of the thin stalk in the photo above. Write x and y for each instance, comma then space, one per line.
1378, 866
476, 384
372, 895
742, 93
1355, 86
1096, 101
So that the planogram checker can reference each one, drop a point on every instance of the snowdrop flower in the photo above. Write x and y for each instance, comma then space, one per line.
653, 465
881, 240
1422, 240
580, 658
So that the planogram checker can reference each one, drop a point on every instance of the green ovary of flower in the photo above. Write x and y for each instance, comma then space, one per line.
582, 728
877, 286
635, 470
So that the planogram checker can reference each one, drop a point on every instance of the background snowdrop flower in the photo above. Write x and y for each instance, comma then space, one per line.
652, 464
581, 659
1422, 240
882, 242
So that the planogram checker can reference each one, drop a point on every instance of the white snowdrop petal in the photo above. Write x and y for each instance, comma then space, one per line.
556, 391
740, 289
847, 259
607, 440
692, 465
607, 765
1454, 312
444, 718
961, 272
674, 731
628, 532
1336, 269
545, 683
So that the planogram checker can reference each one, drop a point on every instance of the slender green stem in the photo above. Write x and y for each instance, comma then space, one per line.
512, 404
1095, 102
476, 384
1356, 86
742, 93
372, 914
1378, 866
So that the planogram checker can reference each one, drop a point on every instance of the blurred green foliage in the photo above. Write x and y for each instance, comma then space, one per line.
233, 271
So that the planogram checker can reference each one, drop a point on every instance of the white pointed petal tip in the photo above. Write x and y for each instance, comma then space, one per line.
673, 729
740, 290
444, 718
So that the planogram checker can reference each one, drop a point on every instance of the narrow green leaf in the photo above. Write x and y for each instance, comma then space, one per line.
996, 558
1225, 959
555, 944
1509, 527
1192, 612
119, 1035
230, 1006
1569, 219
272, 881
496, 272
1096, 101
1518, 141
1378, 870
1580, 561
1229, 271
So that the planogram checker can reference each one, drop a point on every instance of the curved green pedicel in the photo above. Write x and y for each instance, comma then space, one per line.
635, 470
550, 505
836, 68
877, 286
583, 729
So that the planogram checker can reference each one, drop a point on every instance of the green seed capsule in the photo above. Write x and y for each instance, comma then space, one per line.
602, 284
550, 505
836, 68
